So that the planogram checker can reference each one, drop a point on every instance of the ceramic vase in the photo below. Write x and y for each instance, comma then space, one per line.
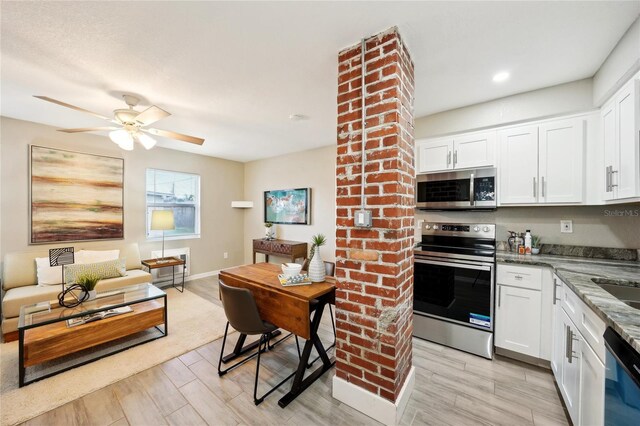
269, 232
316, 267
92, 295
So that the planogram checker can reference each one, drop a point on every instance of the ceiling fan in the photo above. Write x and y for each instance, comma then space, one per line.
132, 124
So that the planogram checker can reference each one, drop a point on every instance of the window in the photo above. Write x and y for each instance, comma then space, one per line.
180, 192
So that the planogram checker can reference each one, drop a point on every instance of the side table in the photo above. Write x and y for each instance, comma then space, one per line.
166, 262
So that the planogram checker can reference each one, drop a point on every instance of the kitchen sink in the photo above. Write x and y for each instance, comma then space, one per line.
625, 291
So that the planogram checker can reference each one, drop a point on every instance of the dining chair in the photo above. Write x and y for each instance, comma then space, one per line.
242, 314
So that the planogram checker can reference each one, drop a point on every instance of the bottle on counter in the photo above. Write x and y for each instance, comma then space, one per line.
527, 242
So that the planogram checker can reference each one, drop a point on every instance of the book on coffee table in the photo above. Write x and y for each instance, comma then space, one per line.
72, 322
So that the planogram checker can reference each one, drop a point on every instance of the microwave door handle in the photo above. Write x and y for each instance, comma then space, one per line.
454, 265
472, 200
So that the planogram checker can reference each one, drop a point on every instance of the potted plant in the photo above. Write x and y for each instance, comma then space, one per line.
317, 270
88, 281
535, 244
268, 231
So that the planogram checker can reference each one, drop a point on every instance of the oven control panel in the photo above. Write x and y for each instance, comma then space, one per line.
477, 230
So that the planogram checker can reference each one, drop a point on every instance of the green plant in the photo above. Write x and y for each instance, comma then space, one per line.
88, 280
268, 225
316, 241
535, 241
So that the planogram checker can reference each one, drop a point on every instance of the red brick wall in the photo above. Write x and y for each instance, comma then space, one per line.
374, 267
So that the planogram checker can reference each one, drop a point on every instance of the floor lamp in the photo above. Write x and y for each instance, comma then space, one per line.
162, 220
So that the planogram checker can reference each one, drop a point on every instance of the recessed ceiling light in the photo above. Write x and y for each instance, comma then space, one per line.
501, 76
298, 117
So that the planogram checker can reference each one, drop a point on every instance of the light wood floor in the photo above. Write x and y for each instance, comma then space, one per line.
452, 388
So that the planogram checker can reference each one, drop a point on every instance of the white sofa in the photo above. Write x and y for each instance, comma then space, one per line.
19, 282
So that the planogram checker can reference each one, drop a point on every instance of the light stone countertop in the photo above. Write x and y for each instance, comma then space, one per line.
576, 272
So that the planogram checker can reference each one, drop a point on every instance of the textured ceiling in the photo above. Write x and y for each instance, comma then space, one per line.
232, 72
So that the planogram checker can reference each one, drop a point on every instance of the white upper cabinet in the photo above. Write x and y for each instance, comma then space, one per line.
474, 150
561, 157
518, 172
609, 138
621, 140
434, 155
459, 152
628, 172
542, 164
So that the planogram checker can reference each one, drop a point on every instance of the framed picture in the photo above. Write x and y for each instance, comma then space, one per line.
288, 206
75, 196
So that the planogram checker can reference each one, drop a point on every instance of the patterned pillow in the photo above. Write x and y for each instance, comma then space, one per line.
108, 269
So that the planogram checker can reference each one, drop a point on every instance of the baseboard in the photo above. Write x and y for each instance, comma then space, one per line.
528, 359
202, 275
372, 405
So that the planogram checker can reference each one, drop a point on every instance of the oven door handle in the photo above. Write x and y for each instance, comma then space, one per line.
455, 265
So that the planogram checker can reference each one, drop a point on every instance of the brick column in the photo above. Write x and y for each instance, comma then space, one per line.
374, 266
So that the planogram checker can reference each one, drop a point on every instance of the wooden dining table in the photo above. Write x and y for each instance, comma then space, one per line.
297, 309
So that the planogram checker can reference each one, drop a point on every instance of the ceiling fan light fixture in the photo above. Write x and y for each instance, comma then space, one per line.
145, 140
122, 138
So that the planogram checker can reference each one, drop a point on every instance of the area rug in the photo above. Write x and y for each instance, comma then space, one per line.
193, 322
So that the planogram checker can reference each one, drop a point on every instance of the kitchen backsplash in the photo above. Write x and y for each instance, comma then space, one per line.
616, 226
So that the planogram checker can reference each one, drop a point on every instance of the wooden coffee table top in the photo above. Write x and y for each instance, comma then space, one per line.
48, 312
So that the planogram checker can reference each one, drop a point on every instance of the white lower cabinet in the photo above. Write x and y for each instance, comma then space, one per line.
569, 382
523, 310
518, 316
577, 366
557, 346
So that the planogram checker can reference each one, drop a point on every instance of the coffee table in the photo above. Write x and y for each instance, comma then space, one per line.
48, 344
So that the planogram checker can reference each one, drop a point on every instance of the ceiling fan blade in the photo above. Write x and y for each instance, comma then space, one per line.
64, 104
87, 129
151, 115
173, 135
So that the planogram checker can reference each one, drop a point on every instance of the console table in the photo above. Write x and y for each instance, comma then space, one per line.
291, 249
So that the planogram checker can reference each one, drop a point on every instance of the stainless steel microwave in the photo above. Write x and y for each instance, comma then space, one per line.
463, 190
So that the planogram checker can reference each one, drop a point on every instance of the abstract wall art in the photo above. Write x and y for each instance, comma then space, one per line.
287, 206
75, 196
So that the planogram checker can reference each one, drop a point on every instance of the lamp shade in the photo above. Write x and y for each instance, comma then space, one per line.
123, 138
162, 220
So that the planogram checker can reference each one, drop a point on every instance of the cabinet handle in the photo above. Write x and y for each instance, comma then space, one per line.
607, 179
534, 187
542, 185
555, 290
499, 294
611, 184
567, 343
455, 157
448, 158
518, 277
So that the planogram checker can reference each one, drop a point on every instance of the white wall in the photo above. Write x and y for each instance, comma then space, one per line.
620, 65
221, 182
556, 100
314, 169
592, 225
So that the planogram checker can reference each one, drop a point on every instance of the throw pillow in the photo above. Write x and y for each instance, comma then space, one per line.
48, 275
95, 256
104, 270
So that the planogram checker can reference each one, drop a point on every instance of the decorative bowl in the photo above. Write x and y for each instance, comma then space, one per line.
291, 269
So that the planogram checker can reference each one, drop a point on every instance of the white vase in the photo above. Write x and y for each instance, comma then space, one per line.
269, 232
317, 270
92, 295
